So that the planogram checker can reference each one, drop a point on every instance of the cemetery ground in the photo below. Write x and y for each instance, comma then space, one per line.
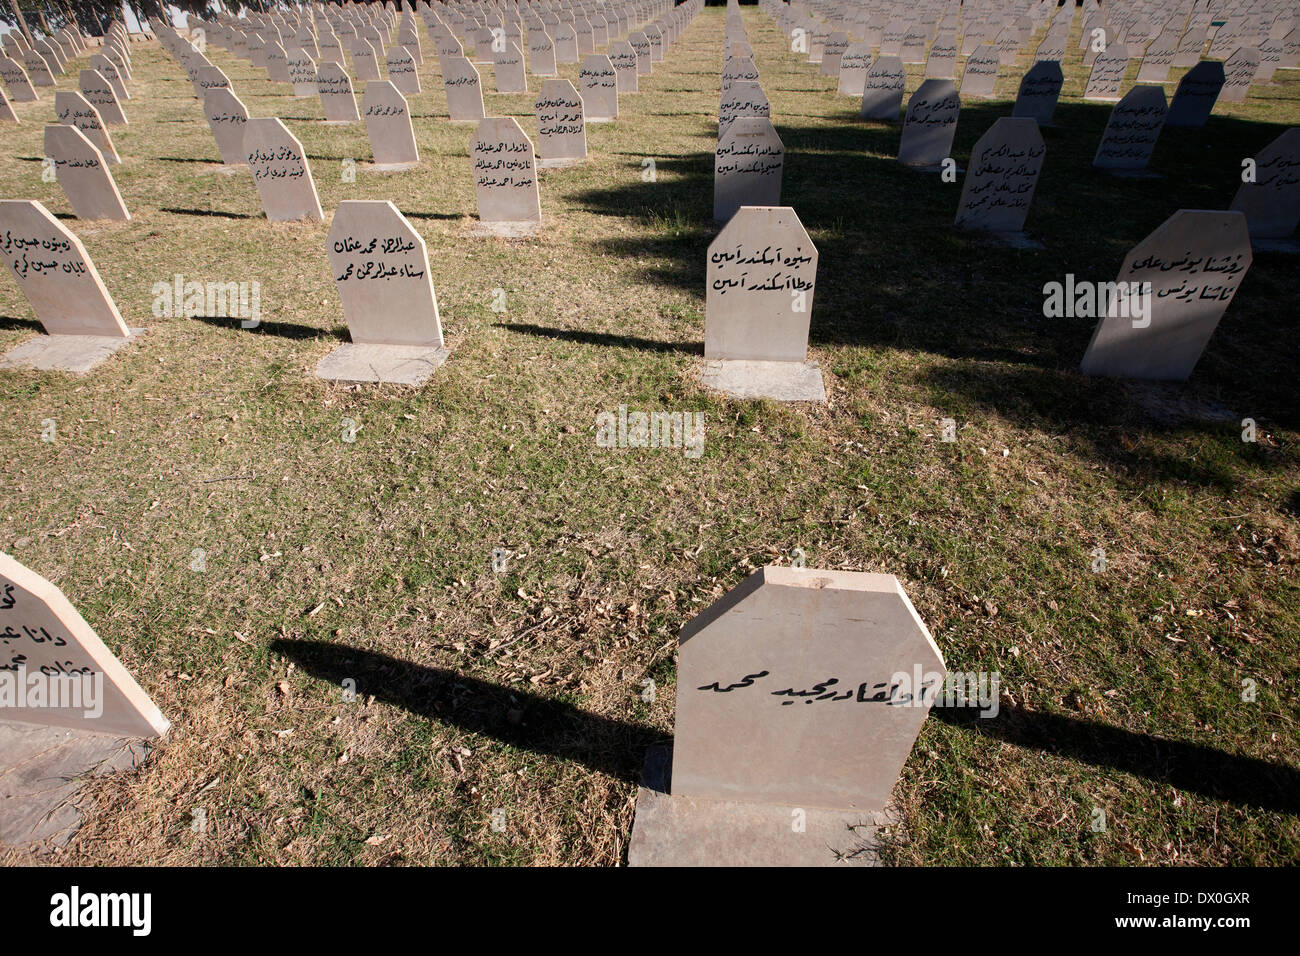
346, 533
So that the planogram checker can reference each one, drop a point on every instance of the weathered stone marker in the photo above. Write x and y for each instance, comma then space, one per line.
388, 125
464, 90
1002, 176
280, 170
1131, 134
82, 173
929, 125
1271, 204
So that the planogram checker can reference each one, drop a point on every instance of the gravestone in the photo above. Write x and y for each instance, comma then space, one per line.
505, 177
598, 86
508, 69
1040, 88
623, 58
401, 70
942, 61
365, 59
1131, 134
882, 95
1196, 95
853, 70
1159, 57
929, 125
1239, 72
1194, 263
16, 81
833, 53
302, 72
747, 167
38, 71
277, 63
980, 75
54, 271
566, 44
1003, 173
82, 173
797, 695
541, 53
464, 90
73, 108
742, 99
761, 273
336, 97
7, 114
211, 78
381, 268
388, 125
561, 131
641, 45
1107, 76
99, 94
1190, 47
280, 170
1271, 204
51, 641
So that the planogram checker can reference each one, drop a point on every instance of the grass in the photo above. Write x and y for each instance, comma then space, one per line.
328, 560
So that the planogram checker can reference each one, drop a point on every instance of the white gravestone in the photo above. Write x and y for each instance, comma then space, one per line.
1134, 126
1196, 95
980, 75
508, 69
505, 177
73, 108
1271, 204
561, 130
388, 125
336, 97
1003, 173
1040, 88
464, 90
598, 86
747, 167
929, 125
82, 173
280, 170
99, 93
882, 94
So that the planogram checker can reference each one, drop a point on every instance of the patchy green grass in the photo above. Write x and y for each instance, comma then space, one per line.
370, 561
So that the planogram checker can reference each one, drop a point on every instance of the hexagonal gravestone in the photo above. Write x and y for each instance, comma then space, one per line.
227, 116
1239, 72
505, 176
280, 170
980, 75
882, 90
99, 93
16, 80
1000, 181
761, 273
1107, 76
561, 130
742, 99
73, 108
508, 68
464, 90
1196, 95
56, 672
598, 86
365, 59
854, 65
566, 44
929, 125
1271, 203
336, 96
799, 692
623, 58
541, 53
942, 61
388, 124
82, 173
54, 271
1173, 288
1134, 126
1040, 88
747, 167
37, 69
401, 70
381, 268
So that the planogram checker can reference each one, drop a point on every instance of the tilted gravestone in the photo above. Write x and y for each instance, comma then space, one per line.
1159, 57
1271, 203
1239, 72
227, 116
401, 70
747, 167
336, 97
508, 69
561, 130
1186, 273
929, 125
280, 170
541, 53
761, 275
381, 269
980, 75
388, 125
1196, 95
38, 71
1107, 76
54, 271
623, 58
799, 693
365, 59
7, 114
1040, 89
853, 69
1131, 134
1003, 173
73, 108
16, 81
505, 176
99, 93
464, 90
49, 648
598, 86
302, 72
882, 93
82, 173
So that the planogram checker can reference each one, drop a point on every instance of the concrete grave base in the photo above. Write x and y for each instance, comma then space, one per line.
41, 770
396, 364
1291, 246
522, 229
1136, 173
65, 353
781, 381
391, 167
683, 831
341, 122
560, 163
601, 119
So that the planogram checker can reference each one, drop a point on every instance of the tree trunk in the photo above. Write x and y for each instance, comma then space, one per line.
22, 23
